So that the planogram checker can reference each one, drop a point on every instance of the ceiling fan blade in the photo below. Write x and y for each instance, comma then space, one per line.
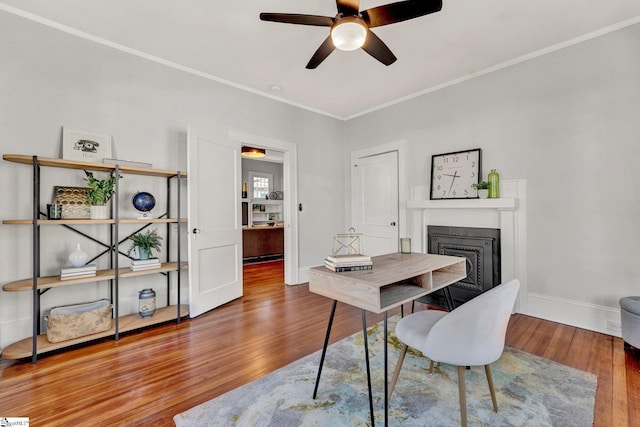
376, 48
295, 18
348, 7
321, 54
399, 11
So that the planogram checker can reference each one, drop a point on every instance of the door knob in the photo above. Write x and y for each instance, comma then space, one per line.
196, 230
393, 223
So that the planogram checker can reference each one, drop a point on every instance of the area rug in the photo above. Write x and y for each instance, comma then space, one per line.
531, 391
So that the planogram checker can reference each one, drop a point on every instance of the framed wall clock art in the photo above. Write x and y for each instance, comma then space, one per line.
453, 174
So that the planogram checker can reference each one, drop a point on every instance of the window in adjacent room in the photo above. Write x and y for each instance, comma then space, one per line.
261, 184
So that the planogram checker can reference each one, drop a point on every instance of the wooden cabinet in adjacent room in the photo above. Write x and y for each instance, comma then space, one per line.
262, 242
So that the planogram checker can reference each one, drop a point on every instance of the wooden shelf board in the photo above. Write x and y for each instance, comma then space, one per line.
132, 322
150, 220
99, 167
54, 281
399, 294
93, 221
23, 348
264, 201
165, 267
445, 278
60, 221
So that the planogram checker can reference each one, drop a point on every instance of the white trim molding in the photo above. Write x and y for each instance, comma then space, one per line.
290, 202
583, 315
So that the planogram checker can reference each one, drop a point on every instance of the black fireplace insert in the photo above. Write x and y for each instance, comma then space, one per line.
481, 248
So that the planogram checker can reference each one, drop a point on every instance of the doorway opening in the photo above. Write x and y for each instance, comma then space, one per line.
282, 207
262, 208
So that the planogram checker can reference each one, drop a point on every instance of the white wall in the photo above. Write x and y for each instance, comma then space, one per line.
568, 123
49, 79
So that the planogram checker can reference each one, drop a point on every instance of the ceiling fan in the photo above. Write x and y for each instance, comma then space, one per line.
350, 28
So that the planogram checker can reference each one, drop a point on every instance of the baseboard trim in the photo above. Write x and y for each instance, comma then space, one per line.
303, 275
583, 315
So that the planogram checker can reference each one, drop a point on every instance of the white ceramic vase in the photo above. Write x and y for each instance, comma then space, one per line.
483, 193
78, 257
100, 212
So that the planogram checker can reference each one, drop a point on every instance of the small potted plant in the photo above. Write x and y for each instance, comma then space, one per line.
483, 189
99, 193
144, 243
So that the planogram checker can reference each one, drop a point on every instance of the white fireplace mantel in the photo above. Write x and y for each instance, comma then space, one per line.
508, 214
500, 204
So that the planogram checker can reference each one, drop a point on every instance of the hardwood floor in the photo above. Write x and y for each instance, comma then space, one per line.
147, 377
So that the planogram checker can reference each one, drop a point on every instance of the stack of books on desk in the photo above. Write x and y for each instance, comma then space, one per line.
145, 264
340, 263
70, 272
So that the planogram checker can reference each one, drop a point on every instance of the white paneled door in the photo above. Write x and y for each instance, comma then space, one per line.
374, 201
214, 221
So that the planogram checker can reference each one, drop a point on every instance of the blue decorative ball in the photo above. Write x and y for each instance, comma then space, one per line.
143, 201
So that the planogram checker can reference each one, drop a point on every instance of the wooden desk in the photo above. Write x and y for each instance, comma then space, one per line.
394, 280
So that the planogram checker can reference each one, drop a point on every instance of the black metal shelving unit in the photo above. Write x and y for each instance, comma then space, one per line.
39, 285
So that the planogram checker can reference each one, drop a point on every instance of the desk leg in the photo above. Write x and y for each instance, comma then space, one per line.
324, 348
366, 358
386, 380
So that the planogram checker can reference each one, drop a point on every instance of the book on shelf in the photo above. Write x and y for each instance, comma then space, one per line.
348, 264
144, 267
78, 275
83, 268
349, 258
340, 269
145, 261
75, 273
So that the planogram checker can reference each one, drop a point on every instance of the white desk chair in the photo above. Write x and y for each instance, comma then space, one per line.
471, 335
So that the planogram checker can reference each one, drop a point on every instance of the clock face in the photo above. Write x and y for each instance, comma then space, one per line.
453, 175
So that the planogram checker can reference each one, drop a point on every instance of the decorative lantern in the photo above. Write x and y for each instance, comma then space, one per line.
147, 303
349, 243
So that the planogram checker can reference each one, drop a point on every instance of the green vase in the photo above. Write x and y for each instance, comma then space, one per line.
494, 184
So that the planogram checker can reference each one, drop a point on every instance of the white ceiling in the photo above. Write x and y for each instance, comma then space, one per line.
226, 41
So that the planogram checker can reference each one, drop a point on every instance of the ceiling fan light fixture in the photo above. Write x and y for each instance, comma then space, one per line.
253, 152
349, 33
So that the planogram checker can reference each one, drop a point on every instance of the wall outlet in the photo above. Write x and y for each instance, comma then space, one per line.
613, 326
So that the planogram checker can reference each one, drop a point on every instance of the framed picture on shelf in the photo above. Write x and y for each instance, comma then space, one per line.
74, 202
86, 146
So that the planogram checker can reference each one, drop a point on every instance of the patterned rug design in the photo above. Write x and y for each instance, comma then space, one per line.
531, 391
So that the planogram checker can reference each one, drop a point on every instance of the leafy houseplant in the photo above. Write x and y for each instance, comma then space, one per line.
483, 189
145, 242
99, 193
100, 190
